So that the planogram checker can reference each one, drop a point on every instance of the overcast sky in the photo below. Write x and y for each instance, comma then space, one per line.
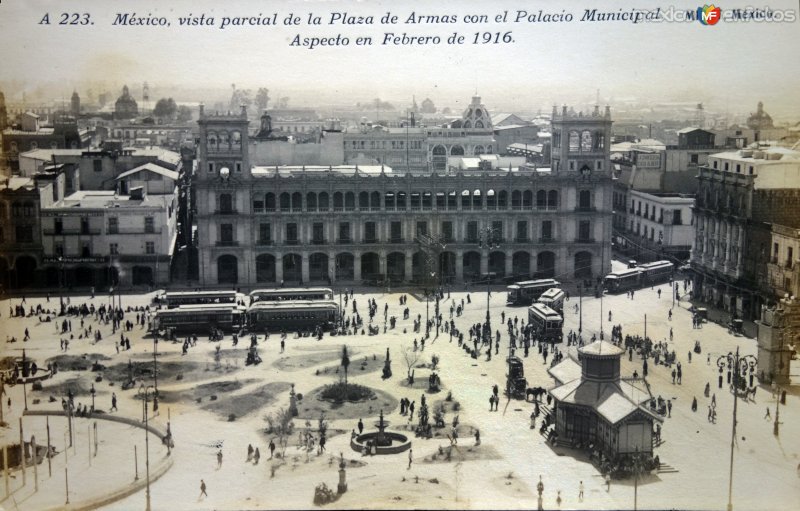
729, 65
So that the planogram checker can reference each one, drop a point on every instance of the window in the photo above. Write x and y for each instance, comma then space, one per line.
2, 236
258, 206
585, 199
59, 250
317, 230
58, 226
113, 249
571, 165
86, 249
291, 232
676, 217
149, 247
472, 232
789, 254
84, 226
113, 225
584, 230
422, 228
97, 165
396, 231
522, 230
715, 163
738, 168
264, 233
574, 141
24, 233
344, 231
370, 234
225, 203
447, 230
497, 231
238, 166
693, 158
727, 165
547, 230
211, 166
226, 233
149, 225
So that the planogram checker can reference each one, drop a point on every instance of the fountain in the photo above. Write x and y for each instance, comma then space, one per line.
381, 441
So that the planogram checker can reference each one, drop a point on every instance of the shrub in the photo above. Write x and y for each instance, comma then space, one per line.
355, 392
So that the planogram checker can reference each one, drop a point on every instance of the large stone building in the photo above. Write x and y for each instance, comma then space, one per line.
31, 135
740, 195
262, 225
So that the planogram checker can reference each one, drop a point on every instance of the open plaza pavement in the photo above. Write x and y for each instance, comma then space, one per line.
220, 405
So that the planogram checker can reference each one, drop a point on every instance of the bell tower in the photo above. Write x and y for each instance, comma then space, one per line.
581, 142
223, 145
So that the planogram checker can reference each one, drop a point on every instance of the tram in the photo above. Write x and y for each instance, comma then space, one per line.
293, 315
527, 292
285, 294
656, 272
199, 318
553, 298
547, 324
625, 280
178, 298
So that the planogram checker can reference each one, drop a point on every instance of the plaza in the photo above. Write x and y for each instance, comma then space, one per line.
219, 404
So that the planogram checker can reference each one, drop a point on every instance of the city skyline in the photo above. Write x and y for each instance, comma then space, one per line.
548, 62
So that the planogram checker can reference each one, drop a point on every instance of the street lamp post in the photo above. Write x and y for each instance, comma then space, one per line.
145, 392
738, 367
580, 308
488, 242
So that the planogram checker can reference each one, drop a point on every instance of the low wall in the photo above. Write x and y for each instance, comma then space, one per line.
120, 493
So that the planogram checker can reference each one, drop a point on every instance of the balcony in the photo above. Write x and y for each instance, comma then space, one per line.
547, 239
292, 242
522, 239
265, 243
472, 239
371, 240
584, 240
319, 241
344, 241
227, 243
72, 232
226, 212
585, 209
397, 240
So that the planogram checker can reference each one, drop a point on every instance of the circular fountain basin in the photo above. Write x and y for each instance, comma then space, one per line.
394, 442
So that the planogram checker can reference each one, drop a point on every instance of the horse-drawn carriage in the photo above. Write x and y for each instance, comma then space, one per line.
517, 385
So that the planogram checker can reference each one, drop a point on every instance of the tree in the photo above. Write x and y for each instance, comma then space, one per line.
428, 107
283, 102
280, 423
446, 111
165, 108
262, 99
184, 113
411, 357
345, 364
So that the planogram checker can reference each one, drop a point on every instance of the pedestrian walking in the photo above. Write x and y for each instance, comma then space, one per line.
669, 408
202, 489
608, 482
580, 492
271, 448
256, 456
410, 458
767, 416
113, 401
249, 452
219, 458
360, 427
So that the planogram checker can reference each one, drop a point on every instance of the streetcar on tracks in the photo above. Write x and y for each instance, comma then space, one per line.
527, 292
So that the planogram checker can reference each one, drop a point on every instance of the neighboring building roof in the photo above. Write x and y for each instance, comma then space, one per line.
613, 401
47, 154
41, 132
16, 182
511, 127
104, 199
151, 167
691, 129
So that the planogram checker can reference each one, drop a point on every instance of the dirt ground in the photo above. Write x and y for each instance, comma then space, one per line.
310, 407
